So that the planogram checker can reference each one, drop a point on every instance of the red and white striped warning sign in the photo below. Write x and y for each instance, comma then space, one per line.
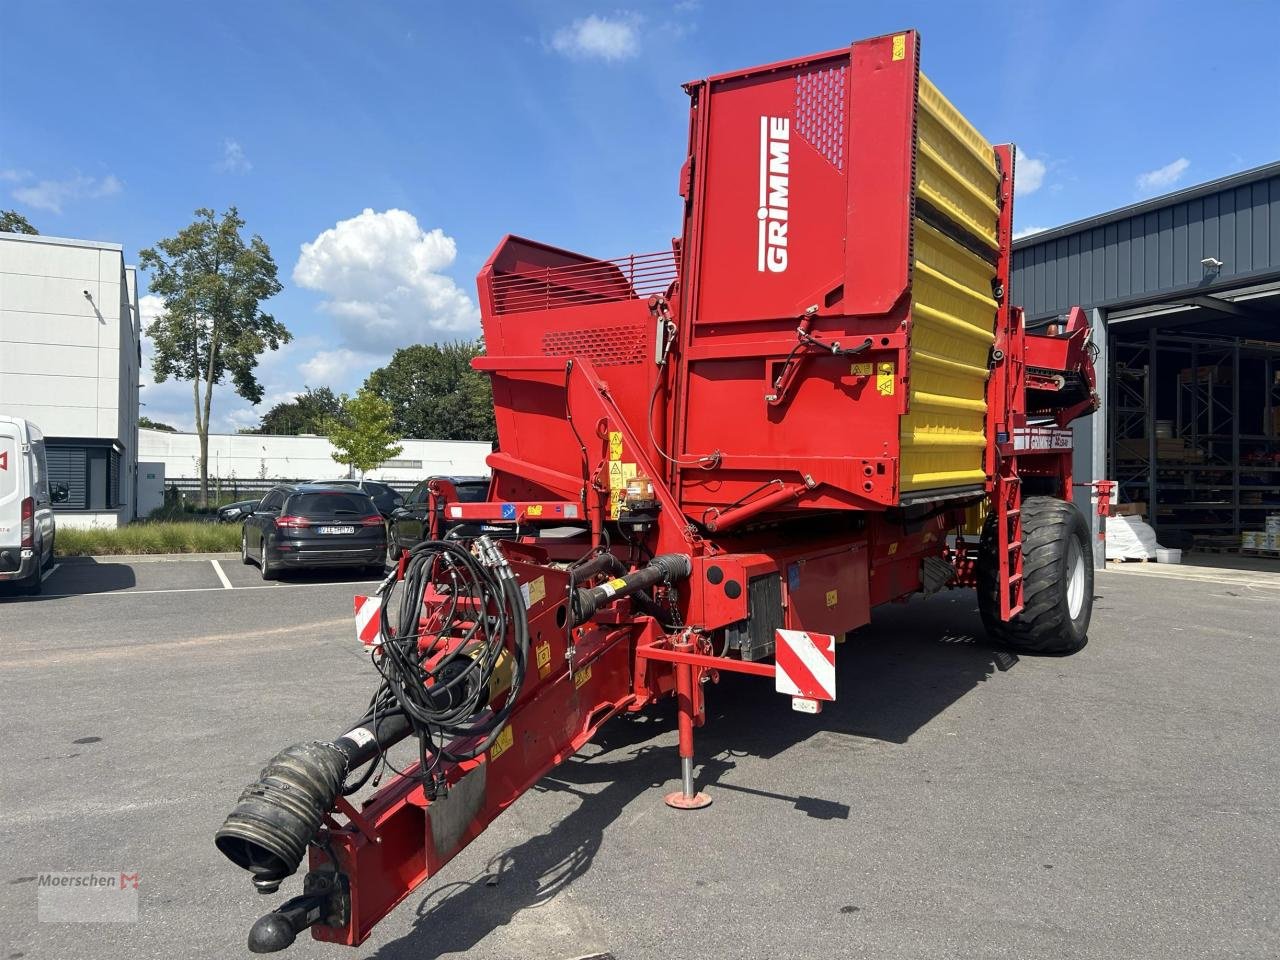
806, 664
368, 620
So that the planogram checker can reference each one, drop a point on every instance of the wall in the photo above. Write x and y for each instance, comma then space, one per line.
1152, 250
69, 347
249, 456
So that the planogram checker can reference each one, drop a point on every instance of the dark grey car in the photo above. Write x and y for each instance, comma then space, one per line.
299, 526
409, 524
386, 497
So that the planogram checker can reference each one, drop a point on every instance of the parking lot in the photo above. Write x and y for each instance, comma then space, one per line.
1118, 803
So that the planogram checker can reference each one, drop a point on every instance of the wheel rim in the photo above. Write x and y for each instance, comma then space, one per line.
1075, 578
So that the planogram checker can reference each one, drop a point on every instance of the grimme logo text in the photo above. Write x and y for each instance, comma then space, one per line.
775, 177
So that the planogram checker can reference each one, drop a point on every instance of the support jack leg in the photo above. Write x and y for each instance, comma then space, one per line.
686, 798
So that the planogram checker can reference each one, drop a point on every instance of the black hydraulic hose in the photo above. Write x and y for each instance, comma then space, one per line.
661, 569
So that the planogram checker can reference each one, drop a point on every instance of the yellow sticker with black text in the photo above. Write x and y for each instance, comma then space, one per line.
542, 653
860, 369
833, 597
615, 503
615, 445
900, 46
581, 676
537, 590
502, 744
534, 510
884, 379
617, 479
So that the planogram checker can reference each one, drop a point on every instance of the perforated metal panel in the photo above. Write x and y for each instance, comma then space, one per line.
820, 112
616, 346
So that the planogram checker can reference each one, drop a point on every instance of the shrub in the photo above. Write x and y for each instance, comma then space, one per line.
165, 537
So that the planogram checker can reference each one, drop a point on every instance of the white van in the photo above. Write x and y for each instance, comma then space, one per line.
26, 504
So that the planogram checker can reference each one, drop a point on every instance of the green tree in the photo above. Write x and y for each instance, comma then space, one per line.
368, 437
212, 327
309, 412
150, 424
11, 221
435, 394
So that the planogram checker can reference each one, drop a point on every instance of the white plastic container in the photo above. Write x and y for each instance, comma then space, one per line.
1168, 555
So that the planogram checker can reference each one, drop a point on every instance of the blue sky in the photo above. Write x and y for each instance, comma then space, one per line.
457, 123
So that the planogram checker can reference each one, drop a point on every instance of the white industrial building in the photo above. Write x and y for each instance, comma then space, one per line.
249, 456
70, 349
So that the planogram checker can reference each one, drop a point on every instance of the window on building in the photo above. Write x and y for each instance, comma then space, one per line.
90, 470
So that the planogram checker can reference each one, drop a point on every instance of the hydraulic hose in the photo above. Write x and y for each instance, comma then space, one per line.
665, 568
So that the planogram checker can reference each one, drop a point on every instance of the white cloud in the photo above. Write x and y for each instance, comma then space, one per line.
382, 275
1163, 177
328, 367
53, 194
14, 176
1028, 231
149, 307
233, 158
604, 38
1028, 175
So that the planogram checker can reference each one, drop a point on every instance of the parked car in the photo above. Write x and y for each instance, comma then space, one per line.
384, 496
304, 525
234, 512
408, 523
27, 526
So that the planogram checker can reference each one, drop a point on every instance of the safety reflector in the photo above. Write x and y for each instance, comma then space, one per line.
805, 705
368, 620
806, 665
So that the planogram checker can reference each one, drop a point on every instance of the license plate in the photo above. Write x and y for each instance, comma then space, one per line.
335, 529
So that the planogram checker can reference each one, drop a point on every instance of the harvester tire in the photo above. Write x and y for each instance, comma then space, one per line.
1057, 569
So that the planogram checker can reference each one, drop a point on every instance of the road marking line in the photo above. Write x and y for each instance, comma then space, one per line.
80, 654
50, 572
134, 593
1242, 578
217, 568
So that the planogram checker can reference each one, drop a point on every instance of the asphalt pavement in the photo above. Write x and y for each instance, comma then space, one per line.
1118, 803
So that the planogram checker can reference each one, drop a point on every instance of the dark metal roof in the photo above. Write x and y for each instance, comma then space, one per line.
1151, 251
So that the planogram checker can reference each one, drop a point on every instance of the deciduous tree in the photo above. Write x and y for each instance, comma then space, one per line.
213, 284
435, 394
11, 221
368, 437
309, 412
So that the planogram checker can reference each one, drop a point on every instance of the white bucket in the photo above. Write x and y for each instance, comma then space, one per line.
1168, 555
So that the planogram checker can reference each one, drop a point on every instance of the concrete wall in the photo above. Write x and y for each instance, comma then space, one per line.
251, 456
69, 344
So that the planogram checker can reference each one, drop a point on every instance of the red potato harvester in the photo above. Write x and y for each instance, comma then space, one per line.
717, 458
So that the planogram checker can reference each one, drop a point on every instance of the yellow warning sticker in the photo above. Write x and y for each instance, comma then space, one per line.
615, 503
542, 652
884, 379
893, 548
534, 510
581, 676
860, 369
502, 744
617, 480
628, 471
900, 46
615, 445
833, 597
537, 590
